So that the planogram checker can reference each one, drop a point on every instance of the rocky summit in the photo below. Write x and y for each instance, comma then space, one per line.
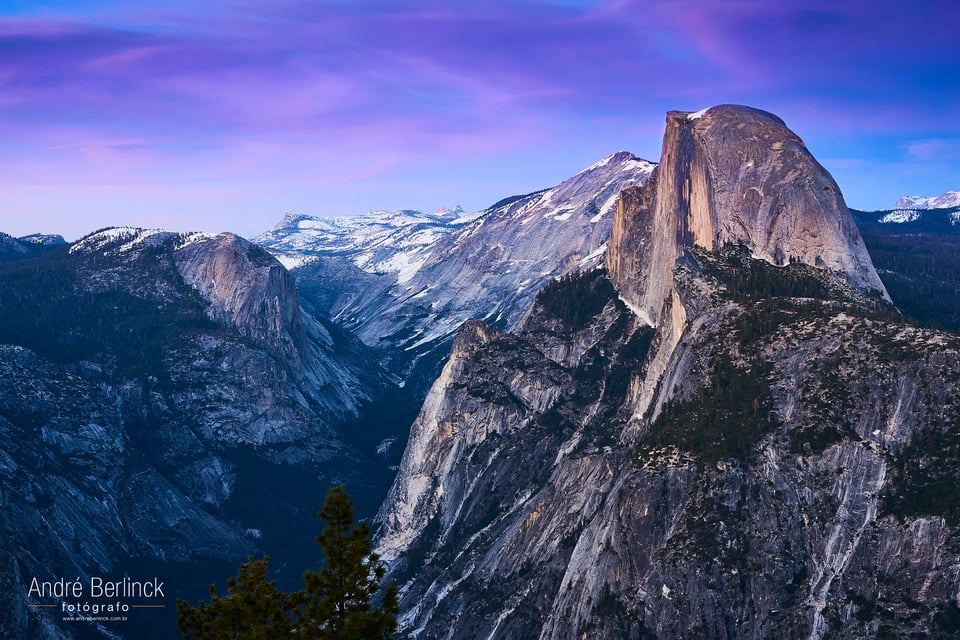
732, 174
729, 432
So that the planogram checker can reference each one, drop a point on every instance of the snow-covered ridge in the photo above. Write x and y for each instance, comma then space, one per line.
131, 237
942, 201
121, 240
43, 239
402, 242
571, 196
380, 242
435, 271
924, 217
627, 163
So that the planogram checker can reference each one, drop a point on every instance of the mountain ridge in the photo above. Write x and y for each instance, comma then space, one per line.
742, 468
488, 265
942, 201
167, 402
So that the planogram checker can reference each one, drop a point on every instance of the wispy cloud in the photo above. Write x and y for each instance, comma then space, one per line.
936, 149
348, 96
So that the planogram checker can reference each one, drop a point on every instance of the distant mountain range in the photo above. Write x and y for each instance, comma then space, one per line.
944, 220
943, 201
378, 242
27, 246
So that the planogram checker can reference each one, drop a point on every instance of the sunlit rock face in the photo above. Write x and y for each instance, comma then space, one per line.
733, 175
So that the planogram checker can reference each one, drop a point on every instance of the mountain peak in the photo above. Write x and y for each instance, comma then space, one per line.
726, 111
444, 212
732, 175
289, 220
621, 160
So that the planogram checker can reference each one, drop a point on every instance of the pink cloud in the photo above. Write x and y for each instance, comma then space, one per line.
934, 149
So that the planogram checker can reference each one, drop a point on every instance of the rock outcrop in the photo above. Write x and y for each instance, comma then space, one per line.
732, 175
770, 459
247, 289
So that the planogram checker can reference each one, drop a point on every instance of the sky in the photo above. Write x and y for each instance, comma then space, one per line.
224, 115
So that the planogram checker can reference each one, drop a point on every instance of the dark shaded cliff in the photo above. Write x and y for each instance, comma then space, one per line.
166, 408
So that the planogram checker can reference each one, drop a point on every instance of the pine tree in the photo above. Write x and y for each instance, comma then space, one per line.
338, 603
339, 598
254, 609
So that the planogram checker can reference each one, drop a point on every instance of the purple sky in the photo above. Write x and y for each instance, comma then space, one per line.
225, 117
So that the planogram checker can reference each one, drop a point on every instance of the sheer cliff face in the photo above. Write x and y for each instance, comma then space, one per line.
775, 458
247, 289
732, 175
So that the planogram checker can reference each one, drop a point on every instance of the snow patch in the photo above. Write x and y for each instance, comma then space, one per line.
606, 208
638, 165
194, 238
696, 115
594, 258
290, 262
900, 216
560, 213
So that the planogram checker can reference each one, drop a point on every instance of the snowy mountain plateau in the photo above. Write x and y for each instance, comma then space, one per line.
404, 283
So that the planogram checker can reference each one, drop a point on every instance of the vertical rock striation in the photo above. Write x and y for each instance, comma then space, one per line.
732, 175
